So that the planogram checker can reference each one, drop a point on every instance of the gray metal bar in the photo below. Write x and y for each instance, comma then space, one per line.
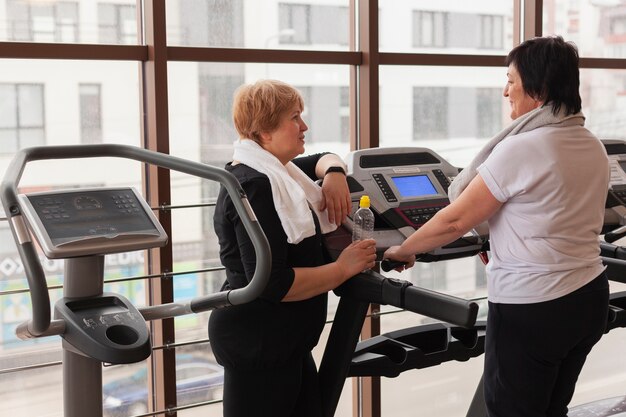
80, 274
82, 387
56, 328
32, 266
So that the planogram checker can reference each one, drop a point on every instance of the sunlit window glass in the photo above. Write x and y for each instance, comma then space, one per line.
451, 110
47, 21
446, 27
315, 24
117, 23
90, 113
603, 95
597, 27
21, 116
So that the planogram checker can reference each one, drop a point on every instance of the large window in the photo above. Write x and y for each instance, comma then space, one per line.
55, 21
437, 69
597, 27
21, 116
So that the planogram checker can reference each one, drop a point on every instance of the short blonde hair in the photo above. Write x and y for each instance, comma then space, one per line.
258, 107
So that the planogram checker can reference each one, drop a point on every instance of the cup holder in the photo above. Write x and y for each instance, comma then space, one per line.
391, 350
122, 335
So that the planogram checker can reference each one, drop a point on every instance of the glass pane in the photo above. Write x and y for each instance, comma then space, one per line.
31, 137
457, 27
90, 113
450, 110
198, 378
597, 27
80, 21
37, 392
604, 102
8, 106
42, 102
9, 139
445, 390
30, 105
125, 389
271, 24
201, 97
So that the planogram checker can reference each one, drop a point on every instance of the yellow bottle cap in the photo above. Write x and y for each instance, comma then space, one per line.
364, 202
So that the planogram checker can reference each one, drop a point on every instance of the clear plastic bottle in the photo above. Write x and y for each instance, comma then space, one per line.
363, 221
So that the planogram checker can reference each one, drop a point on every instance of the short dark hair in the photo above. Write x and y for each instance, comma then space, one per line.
548, 67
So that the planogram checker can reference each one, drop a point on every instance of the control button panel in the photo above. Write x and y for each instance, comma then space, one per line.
442, 178
385, 188
418, 215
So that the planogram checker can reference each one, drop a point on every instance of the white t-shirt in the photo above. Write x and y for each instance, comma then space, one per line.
544, 240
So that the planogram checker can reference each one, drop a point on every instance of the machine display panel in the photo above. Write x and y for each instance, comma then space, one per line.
414, 186
85, 222
71, 216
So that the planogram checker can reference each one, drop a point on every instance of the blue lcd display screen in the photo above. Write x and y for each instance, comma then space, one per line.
414, 186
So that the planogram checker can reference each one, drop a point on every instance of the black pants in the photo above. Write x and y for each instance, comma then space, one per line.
535, 352
290, 391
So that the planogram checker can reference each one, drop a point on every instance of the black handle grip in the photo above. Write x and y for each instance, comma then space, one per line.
387, 264
616, 234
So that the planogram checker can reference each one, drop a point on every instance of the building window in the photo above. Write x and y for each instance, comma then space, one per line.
457, 30
618, 25
21, 116
208, 23
90, 113
117, 23
430, 113
429, 29
326, 113
308, 24
491, 32
489, 114
43, 21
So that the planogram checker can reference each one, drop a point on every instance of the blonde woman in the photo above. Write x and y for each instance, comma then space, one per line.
265, 346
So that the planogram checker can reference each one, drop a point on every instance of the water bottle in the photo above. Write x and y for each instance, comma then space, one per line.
363, 221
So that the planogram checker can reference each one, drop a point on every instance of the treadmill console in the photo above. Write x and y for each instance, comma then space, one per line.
407, 186
616, 150
83, 222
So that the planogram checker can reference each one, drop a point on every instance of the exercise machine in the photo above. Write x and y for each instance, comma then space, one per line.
407, 186
82, 226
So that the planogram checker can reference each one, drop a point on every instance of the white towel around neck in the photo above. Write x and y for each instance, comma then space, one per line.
292, 191
539, 117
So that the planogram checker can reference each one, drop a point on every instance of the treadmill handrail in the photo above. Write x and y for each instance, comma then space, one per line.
36, 278
372, 287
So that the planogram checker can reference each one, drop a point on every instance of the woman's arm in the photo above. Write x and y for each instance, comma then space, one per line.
334, 188
475, 205
309, 282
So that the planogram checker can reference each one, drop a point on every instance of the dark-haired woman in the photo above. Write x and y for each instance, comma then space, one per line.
541, 185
